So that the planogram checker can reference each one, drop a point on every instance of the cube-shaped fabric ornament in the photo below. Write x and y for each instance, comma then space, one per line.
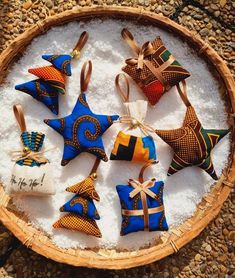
153, 68
81, 206
142, 206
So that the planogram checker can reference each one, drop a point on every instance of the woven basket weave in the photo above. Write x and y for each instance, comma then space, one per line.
170, 242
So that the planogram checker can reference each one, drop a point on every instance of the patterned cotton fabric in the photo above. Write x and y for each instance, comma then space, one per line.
79, 223
32, 141
192, 144
85, 188
132, 148
82, 131
81, 206
41, 91
152, 87
61, 62
135, 223
52, 75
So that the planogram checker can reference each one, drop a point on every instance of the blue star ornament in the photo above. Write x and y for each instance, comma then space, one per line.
41, 91
82, 131
61, 62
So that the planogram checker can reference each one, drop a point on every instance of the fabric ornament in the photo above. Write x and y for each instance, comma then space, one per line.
82, 130
154, 68
81, 208
142, 205
72, 221
31, 174
129, 147
192, 144
52, 78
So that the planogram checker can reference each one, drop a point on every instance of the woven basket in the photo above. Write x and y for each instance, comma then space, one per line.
170, 242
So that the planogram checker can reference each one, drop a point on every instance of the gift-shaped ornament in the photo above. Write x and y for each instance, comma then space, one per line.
142, 205
127, 146
31, 174
153, 68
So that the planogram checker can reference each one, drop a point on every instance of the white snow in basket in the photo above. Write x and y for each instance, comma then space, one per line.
183, 191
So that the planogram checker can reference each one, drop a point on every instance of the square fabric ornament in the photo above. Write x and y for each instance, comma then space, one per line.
81, 206
31, 174
127, 146
154, 68
142, 205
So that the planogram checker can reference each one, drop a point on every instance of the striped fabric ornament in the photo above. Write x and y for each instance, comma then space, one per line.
31, 141
154, 68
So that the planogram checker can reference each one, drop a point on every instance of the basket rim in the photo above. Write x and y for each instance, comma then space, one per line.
171, 241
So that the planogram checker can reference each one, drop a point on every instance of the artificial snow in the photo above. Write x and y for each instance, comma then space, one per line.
182, 192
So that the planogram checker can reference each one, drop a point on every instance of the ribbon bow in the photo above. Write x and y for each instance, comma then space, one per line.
26, 153
143, 189
134, 123
146, 50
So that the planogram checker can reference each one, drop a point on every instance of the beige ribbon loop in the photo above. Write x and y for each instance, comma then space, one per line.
123, 93
138, 187
85, 76
80, 44
19, 115
183, 93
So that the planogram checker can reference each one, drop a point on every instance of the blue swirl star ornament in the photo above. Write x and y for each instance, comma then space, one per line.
82, 131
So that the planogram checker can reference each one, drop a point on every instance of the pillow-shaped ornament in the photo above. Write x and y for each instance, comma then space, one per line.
140, 216
72, 221
81, 206
154, 68
85, 188
31, 174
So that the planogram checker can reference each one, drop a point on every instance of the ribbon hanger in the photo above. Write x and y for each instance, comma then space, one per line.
85, 76
123, 93
19, 115
183, 93
80, 44
94, 168
141, 174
